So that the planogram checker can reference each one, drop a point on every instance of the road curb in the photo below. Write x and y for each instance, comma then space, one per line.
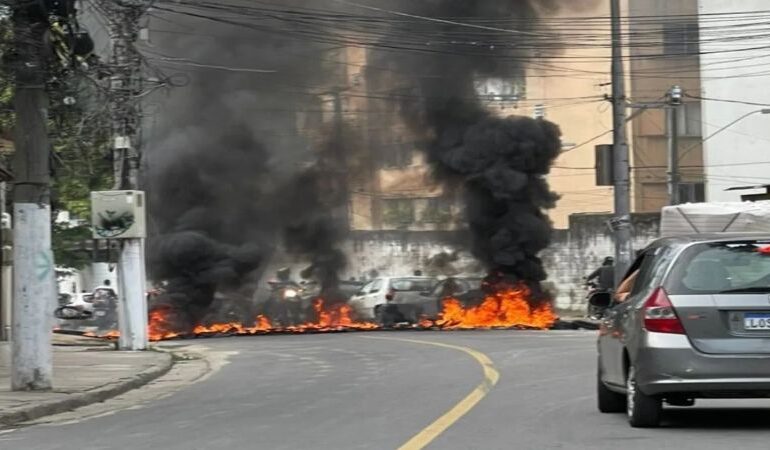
78, 400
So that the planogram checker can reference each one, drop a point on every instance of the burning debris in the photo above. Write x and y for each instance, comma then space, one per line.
506, 307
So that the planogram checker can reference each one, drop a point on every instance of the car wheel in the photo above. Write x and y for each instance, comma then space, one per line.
607, 400
383, 317
643, 410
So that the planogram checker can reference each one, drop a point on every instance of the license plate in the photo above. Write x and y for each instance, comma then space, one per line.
756, 322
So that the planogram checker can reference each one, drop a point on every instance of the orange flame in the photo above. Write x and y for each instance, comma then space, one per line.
159, 326
336, 317
507, 308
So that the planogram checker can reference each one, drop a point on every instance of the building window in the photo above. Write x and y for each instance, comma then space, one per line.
692, 193
398, 211
437, 210
397, 153
681, 39
539, 111
689, 119
689, 122
502, 91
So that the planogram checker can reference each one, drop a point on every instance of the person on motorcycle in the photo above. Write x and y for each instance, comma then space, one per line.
105, 301
603, 277
285, 298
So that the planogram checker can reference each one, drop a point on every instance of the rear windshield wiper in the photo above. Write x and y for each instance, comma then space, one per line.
747, 289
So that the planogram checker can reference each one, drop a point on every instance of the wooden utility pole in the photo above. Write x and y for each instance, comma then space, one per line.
34, 280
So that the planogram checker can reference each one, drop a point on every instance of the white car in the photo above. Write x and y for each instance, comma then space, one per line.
390, 300
83, 302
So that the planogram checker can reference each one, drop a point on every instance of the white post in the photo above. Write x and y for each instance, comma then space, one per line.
6, 271
34, 294
132, 316
34, 284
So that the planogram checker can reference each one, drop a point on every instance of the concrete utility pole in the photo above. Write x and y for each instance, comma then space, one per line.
125, 85
6, 269
672, 133
341, 160
621, 223
34, 281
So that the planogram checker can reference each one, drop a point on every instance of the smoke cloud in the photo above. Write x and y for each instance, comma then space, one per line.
231, 166
499, 163
228, 167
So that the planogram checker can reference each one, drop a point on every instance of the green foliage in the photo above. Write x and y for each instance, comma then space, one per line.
80, 139
80, 136
6, 82
67, 245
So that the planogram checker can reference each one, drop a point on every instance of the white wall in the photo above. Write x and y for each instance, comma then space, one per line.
740, 155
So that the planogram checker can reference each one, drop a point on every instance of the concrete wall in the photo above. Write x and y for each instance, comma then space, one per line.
574, 253
736, 156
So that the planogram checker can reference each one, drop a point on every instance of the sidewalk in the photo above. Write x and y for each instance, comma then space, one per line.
85, 371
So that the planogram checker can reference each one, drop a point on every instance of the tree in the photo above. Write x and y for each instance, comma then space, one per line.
80, 137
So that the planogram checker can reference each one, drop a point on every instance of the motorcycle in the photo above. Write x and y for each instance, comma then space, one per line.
104, 303
285, 305
597, 300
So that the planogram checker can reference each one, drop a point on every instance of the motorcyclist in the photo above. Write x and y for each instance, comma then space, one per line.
603, 277
105, 299
285, 298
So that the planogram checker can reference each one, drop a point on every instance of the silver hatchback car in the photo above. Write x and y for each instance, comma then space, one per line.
696, 324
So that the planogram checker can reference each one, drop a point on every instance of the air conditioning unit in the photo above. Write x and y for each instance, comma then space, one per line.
118, 215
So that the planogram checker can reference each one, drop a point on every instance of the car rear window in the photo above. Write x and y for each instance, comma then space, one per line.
411, 284
713, 268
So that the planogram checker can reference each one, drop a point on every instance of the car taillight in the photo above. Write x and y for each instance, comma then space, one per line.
659, 314
390, 295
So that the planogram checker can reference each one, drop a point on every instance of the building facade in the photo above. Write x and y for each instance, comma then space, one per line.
664, 51
735, 80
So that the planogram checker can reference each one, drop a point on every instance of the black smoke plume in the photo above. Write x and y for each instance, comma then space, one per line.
499, 163
228, 165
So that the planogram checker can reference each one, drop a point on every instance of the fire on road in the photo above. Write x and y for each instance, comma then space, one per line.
507, 307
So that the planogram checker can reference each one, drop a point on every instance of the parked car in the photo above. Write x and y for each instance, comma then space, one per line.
465, 289
390, 300
696, 324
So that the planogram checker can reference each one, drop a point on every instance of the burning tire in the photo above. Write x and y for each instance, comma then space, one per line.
643, 410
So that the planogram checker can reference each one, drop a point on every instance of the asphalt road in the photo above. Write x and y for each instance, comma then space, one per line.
381, 391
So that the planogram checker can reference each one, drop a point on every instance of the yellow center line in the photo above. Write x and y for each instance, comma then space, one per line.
432, 431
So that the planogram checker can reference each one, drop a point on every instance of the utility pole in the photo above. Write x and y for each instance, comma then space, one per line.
34, 283
621, 223
674, 97
341, 161
6, 268
125, 84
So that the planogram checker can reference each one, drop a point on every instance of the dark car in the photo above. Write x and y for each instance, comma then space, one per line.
465, 289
